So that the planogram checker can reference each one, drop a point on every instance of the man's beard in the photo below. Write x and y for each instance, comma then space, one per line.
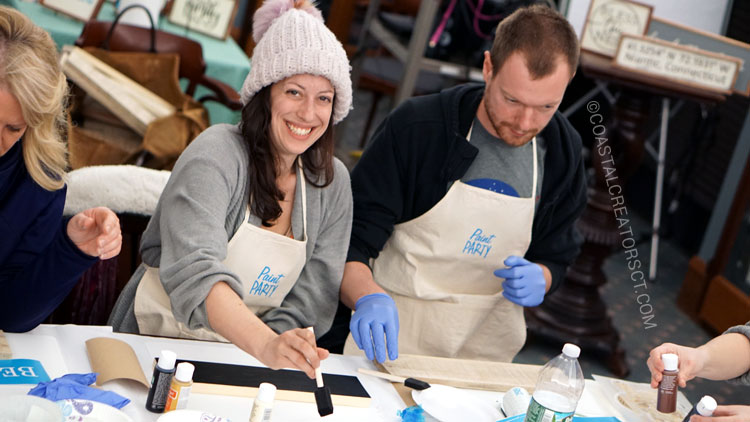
505, 130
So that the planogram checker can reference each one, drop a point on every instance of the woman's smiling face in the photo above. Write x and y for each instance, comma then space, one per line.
301, 107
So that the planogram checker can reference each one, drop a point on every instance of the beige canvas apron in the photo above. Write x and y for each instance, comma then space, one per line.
268, 265
438, 268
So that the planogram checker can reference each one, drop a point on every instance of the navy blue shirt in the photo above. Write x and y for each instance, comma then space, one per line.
39, 264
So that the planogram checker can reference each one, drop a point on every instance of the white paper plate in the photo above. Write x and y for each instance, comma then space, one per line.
20, 408
189, 415
90, 411
448, 404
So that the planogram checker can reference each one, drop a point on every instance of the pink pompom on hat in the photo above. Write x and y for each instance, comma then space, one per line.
291, 39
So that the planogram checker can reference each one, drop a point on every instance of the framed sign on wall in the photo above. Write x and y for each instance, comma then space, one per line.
608, 19
82, 10
210, 17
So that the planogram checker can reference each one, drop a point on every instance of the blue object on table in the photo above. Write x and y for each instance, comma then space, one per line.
76, 386
412, 414
520, 418
225, 60
22, 371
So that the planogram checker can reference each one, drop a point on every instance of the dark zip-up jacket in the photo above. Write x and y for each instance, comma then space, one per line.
421, 147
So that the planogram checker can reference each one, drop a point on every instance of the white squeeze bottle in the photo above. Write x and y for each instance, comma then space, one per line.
558, 388
263, 403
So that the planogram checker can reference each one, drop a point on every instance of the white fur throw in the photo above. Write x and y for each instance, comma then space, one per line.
123, 189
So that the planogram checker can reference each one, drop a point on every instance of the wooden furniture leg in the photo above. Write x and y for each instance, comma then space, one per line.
576, 312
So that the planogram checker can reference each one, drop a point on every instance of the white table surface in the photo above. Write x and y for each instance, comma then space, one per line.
61, 349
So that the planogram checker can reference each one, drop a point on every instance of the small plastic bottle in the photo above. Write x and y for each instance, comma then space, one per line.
705, 407
179, 391
263, 403
558, 388
666, 400
160, 382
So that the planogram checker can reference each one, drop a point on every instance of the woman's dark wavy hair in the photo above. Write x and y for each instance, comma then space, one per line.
255, 126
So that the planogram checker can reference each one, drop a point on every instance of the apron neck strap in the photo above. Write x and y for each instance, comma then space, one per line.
533, 183
301, 182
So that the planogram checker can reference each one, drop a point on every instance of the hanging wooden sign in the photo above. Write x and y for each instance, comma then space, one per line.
687, 65
608, 19
210, 17
684, 35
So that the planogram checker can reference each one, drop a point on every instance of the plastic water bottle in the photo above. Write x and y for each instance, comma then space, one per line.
558, 388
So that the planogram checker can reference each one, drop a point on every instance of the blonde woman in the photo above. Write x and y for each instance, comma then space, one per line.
41, 255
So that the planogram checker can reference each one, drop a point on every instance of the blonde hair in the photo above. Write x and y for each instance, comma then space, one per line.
30, 71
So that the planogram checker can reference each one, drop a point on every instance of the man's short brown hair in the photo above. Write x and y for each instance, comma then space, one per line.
541, 34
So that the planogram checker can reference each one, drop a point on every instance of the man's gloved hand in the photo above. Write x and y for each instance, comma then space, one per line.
374, 316
524, 281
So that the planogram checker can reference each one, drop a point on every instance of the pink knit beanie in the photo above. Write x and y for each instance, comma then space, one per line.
291, 39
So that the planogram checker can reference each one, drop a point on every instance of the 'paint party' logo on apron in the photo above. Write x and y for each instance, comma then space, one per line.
266, 283
479, 244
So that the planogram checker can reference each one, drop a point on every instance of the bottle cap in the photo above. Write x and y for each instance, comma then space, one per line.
167, 360
184, 371
571, 350
266, 392
706, 406
670, 361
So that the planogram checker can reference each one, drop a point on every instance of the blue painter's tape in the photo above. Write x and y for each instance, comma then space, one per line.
22, 371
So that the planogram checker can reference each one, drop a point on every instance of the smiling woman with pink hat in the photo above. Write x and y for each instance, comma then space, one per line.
248, 241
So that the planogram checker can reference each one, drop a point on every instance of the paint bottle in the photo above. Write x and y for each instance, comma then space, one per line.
160, 381
705, 407
263, 403
179, 390
666, 400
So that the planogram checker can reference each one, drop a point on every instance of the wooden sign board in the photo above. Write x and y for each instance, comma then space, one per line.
687, 65
608, 19
244, 381
82, 10
210, 17
5, 352
463, 373
683, 35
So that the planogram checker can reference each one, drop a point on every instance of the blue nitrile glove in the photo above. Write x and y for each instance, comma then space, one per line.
76, 386
524, 281
375, 315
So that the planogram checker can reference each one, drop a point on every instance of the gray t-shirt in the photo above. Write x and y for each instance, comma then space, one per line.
500, 162
202, 207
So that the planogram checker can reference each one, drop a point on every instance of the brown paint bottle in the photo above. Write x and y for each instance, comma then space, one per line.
666, 400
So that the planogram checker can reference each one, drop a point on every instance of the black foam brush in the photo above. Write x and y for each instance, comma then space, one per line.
413, 383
